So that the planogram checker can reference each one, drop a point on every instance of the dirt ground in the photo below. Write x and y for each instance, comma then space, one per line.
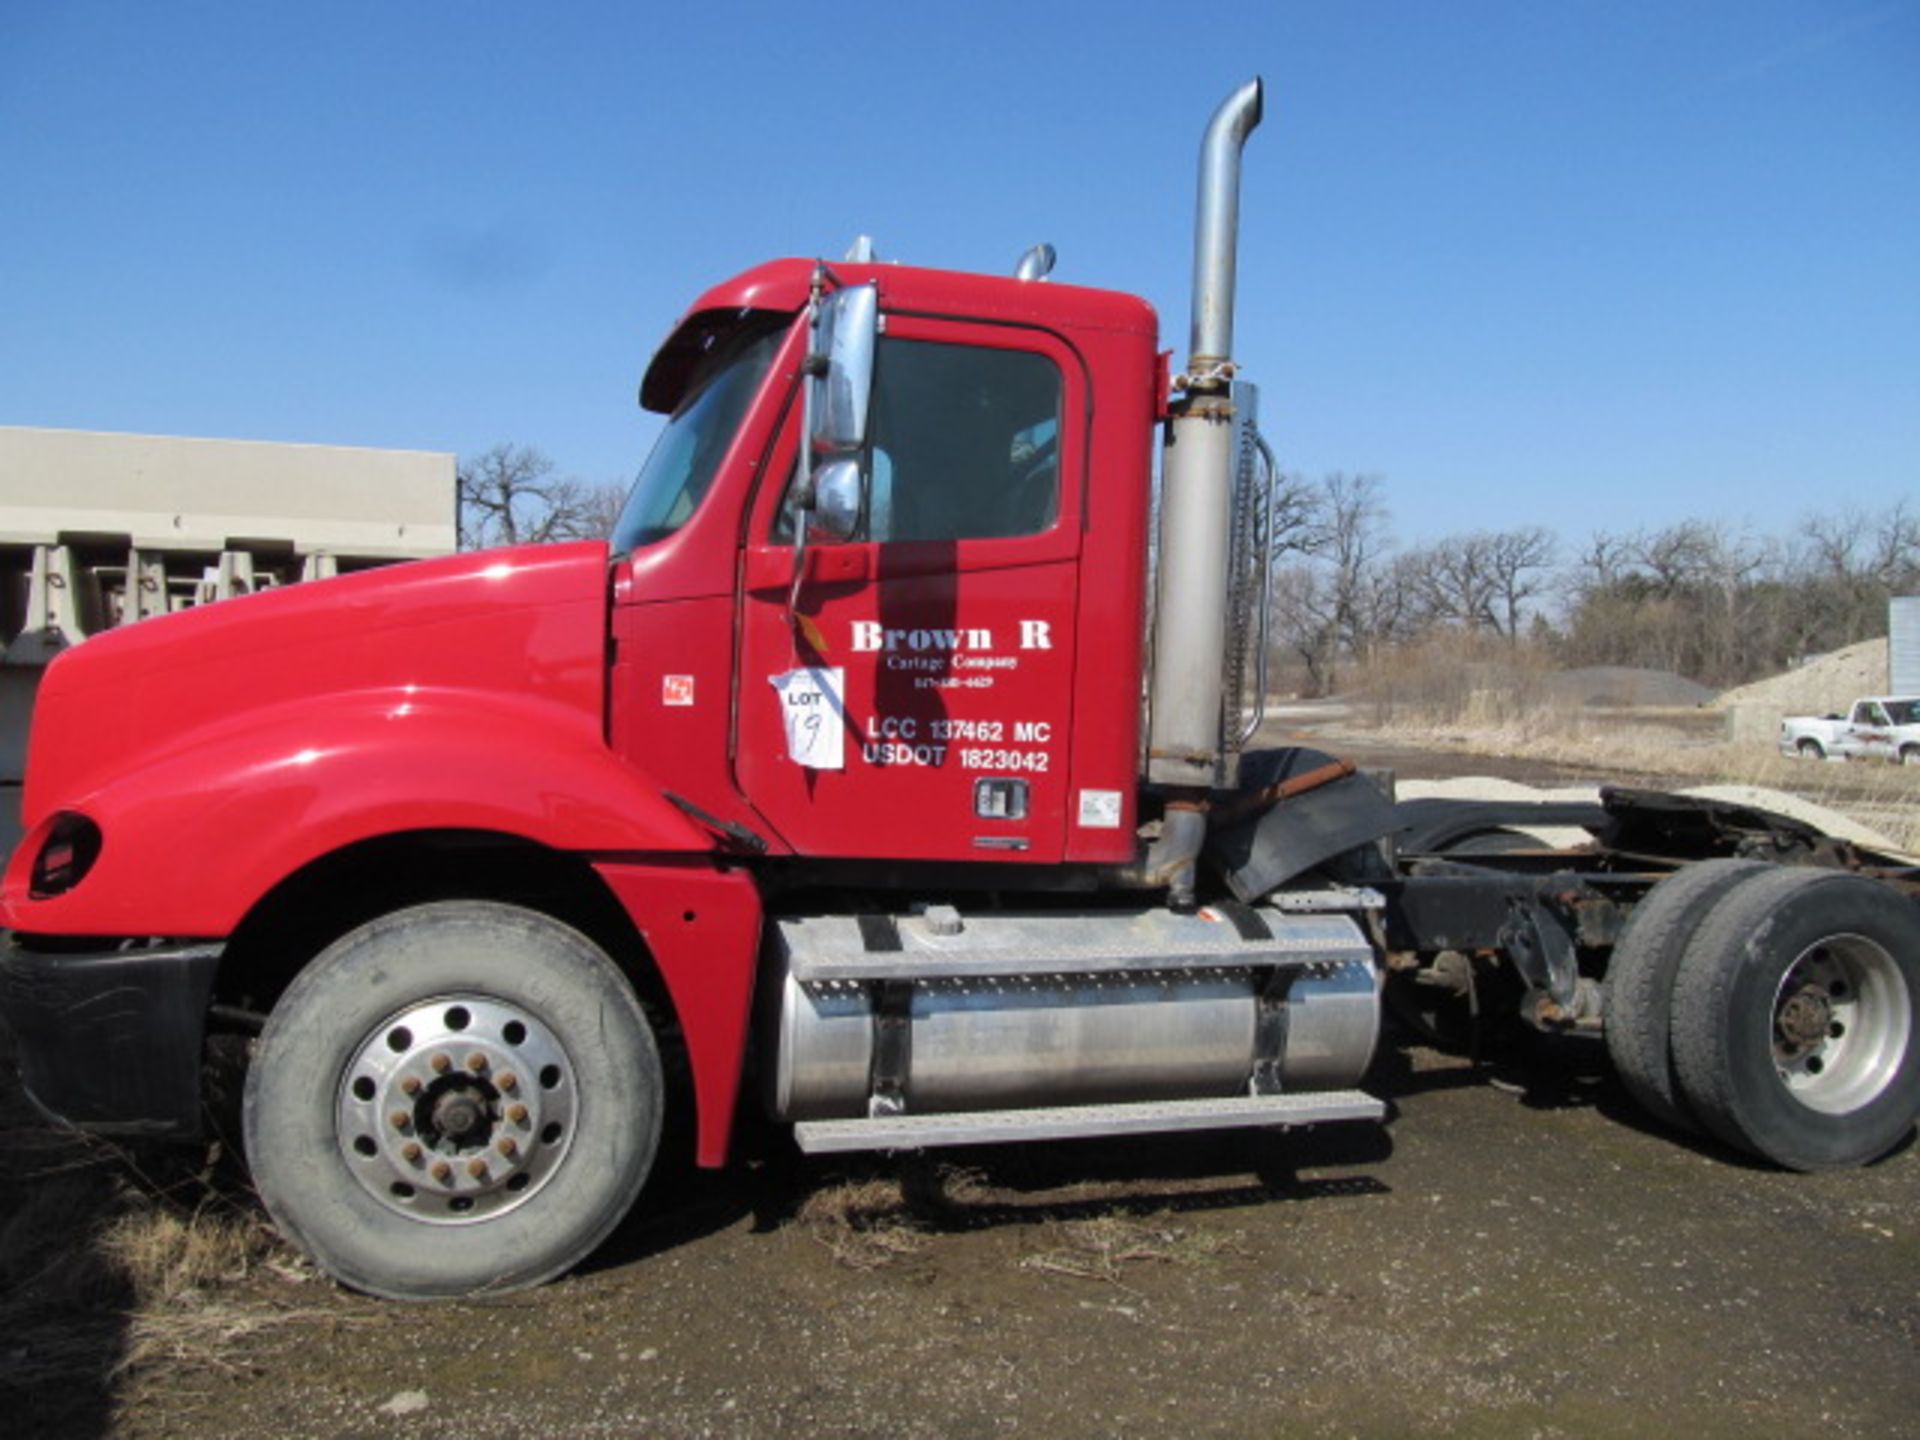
1500, 1259
1514, 1253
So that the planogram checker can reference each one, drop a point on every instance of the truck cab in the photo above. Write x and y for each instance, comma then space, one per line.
928, 664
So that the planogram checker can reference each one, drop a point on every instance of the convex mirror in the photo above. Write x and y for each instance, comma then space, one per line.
836, 500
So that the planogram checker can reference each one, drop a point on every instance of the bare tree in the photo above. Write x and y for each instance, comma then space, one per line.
510, 495
1896, 550
1303, 624
1335, 592
1521, 562
1455, 581
1388, 605
1350, 537
1295, 517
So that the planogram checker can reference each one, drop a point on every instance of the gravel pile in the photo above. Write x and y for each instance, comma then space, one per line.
1823, 686
1627, 685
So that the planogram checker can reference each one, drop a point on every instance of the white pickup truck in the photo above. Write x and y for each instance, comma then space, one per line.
1883, 727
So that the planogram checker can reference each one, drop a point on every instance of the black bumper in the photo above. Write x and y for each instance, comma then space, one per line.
111, 1041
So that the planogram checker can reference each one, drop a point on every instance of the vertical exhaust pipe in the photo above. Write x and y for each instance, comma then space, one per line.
1216, 228
1186, 752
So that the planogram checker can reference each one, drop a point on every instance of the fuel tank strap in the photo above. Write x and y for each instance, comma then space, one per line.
892, 1048
1244, 919
1270, 1034
879, 934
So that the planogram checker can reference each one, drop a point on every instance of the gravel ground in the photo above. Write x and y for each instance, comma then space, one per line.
1499, 1259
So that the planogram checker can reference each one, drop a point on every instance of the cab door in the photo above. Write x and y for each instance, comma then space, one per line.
1871, 733
917, 702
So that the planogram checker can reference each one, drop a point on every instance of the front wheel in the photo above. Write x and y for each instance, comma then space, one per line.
1910, 754
457, 1098
1795, 1016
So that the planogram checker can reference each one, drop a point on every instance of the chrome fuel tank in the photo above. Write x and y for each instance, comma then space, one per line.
1002, 1011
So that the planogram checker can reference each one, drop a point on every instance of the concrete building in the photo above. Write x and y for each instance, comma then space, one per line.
99, 530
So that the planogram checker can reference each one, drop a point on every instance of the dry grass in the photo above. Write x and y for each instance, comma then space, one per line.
875, 1222
864, 1224
1474, 697
112, 1260
1465, 679
184, 1269
1101, 1248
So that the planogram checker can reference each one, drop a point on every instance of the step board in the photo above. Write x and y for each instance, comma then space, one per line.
1074, 1122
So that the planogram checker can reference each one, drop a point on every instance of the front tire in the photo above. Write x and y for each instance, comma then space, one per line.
457, 1098
1795, 1017
1910, 755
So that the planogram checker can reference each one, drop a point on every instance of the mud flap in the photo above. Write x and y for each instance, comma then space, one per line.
1264, 851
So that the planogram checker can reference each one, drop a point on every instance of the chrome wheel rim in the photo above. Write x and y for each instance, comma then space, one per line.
1841, 1022
456, 1109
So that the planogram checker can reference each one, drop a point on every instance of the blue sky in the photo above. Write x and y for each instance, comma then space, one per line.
1576, 264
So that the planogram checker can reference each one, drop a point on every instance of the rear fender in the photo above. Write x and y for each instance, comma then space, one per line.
195, 835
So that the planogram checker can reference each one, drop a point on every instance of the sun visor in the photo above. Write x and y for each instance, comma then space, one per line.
677, 361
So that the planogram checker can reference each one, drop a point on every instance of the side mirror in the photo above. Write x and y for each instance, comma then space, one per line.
846, 331
836, 501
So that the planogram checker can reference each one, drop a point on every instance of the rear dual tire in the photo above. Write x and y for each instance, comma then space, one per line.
1796, 1007
1640, 980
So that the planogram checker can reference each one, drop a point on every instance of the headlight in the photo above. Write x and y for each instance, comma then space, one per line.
67, 854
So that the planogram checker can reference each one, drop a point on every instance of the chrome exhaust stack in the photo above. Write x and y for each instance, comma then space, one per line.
1189, 751
1216, 231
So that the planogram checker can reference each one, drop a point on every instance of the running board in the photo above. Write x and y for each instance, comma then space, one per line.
1075, 1122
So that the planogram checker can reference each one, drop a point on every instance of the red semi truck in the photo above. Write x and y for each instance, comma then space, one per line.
829, 788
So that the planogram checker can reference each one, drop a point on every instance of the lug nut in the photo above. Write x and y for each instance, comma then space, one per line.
506, 1145
476, 1062
517, 1113
441, 1063
411, 1151
442, 1171
410, 1084
400, 1119
477, 1168
507, 1080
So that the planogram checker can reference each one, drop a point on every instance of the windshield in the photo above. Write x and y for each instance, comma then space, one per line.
675, 478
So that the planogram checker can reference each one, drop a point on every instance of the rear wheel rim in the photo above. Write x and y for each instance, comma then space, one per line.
456, 1109
1841, 1023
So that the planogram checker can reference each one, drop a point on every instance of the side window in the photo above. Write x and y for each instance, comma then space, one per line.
965, 443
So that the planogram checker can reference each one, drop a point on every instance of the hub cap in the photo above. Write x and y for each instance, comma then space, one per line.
457, 1109
1841, 1017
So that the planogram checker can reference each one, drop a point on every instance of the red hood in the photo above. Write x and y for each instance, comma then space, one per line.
532, 620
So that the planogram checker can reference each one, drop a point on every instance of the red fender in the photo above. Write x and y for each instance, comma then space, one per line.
702, 925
